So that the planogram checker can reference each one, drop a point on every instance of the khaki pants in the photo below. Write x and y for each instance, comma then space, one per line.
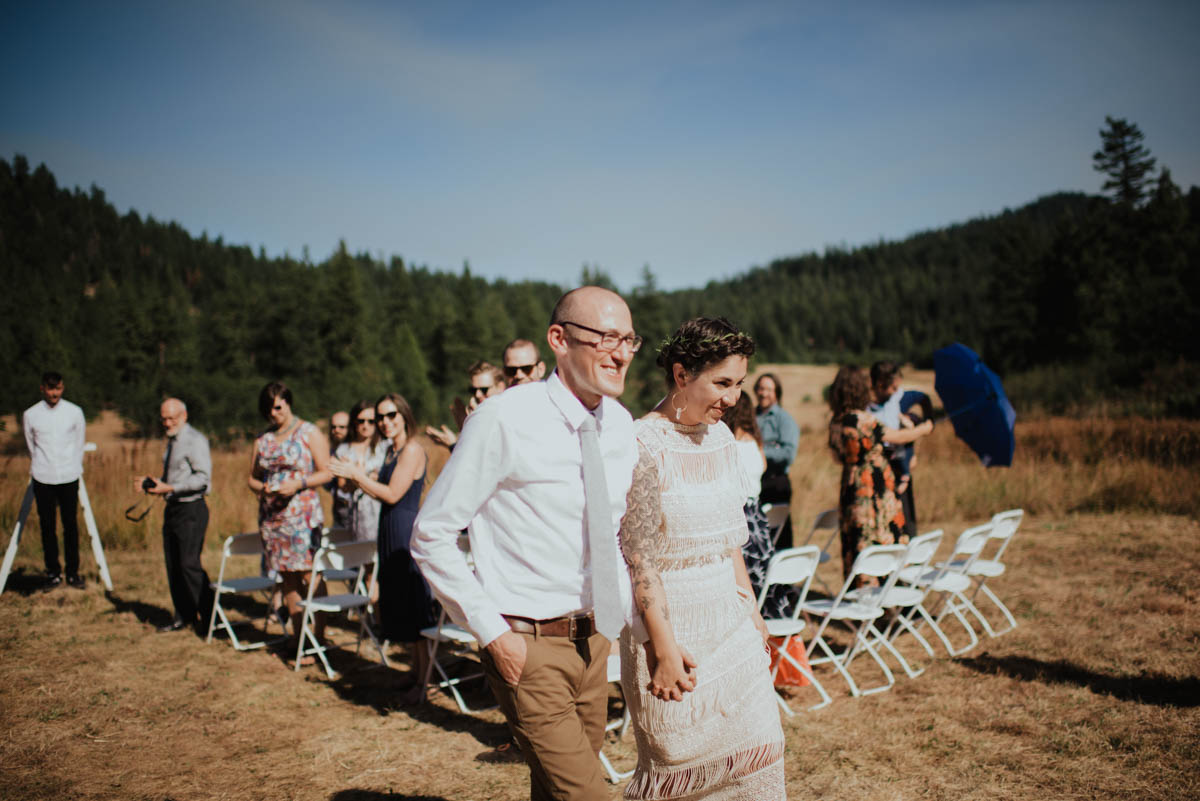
557, 712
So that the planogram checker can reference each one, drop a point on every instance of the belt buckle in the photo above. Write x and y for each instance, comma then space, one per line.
572, 628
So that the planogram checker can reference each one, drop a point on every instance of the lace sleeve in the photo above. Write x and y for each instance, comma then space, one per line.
643, 535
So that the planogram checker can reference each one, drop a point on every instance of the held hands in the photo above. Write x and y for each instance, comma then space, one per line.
508, 653
761, 625
672, 673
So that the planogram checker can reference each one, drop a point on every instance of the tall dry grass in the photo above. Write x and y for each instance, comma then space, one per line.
1061, 466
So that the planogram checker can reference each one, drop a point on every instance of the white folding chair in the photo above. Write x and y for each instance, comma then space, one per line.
794, 567
882, 562
249, 544
777, 517
619, 725
456, 637
901, 595
949, 580
338, 536
347, 556
1004, 528
830, 521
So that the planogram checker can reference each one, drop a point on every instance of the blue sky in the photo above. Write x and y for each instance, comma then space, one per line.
531, 138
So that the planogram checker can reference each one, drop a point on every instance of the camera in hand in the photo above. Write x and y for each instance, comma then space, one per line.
147, 484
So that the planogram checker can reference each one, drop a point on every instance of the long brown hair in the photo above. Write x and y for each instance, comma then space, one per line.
851, 390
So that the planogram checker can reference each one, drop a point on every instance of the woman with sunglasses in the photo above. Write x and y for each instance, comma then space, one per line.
406, 603
290, 461
366, 448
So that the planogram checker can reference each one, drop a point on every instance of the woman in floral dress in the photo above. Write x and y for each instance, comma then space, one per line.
871, 514
290, 461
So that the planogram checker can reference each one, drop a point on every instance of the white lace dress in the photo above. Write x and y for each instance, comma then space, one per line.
724, 740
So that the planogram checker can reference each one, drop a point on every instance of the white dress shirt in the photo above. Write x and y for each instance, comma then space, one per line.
55, 436
515, 482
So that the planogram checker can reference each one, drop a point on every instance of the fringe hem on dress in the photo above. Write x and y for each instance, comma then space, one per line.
652, 786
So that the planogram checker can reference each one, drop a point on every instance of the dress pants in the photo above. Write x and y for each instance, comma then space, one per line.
183, 541
557, 713
64, 497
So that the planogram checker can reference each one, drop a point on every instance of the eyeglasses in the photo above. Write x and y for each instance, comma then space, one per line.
609, 340
279, 407
511, 370
472, 390
365, 421
387, 415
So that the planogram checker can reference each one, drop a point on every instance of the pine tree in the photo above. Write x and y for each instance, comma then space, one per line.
1125, 160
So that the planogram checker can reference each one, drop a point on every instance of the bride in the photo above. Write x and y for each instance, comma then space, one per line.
699, 689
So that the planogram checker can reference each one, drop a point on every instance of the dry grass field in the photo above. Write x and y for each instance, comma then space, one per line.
1096, 694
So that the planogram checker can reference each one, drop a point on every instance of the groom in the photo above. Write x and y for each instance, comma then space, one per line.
550, 590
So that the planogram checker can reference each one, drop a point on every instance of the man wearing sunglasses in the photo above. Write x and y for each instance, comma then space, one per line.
539, 480
522, 362
487, 380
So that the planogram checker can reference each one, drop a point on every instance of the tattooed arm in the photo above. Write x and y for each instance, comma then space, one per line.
642, 538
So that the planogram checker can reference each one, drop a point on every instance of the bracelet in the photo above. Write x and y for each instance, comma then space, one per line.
304, 481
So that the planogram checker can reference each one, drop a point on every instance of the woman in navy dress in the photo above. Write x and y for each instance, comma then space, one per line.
406, 603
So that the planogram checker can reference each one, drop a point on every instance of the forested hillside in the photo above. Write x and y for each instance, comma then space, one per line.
1072, 298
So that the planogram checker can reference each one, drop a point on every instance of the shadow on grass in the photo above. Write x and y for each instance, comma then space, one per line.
1150, 688
145, 613
375, 795
23, 583
380, 688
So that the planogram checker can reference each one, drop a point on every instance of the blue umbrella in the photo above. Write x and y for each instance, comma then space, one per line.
975, 403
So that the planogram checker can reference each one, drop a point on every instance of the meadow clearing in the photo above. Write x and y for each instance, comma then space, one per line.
1095, 695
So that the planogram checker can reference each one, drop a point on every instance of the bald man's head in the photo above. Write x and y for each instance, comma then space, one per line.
173, 414
582, 320
584, 301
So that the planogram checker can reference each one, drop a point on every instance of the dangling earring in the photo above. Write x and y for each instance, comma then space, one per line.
679, 410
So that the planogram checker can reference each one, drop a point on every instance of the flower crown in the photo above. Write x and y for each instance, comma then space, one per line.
680, 340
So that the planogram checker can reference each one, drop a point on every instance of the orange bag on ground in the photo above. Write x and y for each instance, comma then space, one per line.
788, 676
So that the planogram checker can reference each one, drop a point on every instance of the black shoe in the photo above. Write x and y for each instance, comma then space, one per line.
52, 581
77, 582
174, 625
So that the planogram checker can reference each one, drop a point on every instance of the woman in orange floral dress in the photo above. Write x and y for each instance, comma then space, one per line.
871, 514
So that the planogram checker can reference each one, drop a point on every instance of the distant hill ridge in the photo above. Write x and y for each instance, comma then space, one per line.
131, 309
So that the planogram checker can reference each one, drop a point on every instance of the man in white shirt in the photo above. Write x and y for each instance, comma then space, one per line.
516, 481
55, 433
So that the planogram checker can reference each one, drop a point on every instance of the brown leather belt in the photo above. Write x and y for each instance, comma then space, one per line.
575, 627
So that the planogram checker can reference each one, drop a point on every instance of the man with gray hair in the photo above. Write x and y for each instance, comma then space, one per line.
186, 479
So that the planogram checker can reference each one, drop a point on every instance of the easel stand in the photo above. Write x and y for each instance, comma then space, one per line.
88, 518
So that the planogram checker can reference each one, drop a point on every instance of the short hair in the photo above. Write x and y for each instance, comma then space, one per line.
740, 417
775, 380
522, 343
700, 343
355, 410
850, 391
481, 366
410, 422
266, 398
51, 378
883, 372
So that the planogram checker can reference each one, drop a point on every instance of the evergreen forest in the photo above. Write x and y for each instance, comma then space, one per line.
1078, 301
